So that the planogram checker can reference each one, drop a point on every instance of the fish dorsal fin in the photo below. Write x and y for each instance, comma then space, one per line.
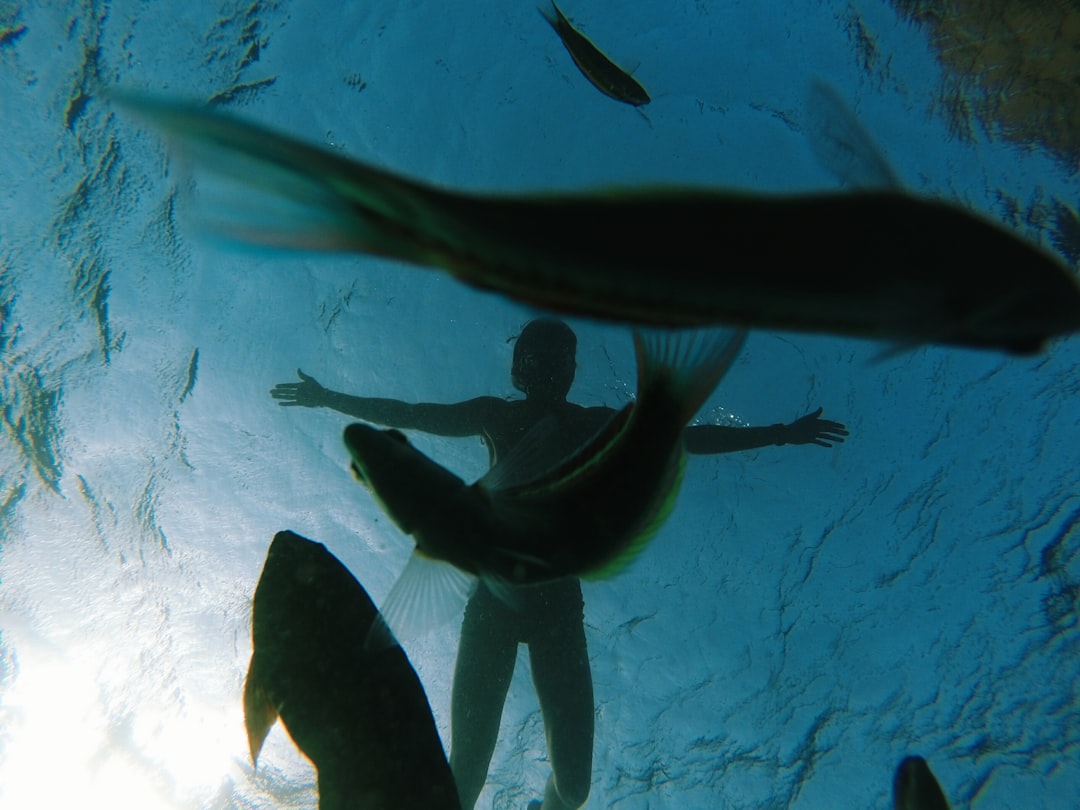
536, 468
843, 146
428, 594
526, 461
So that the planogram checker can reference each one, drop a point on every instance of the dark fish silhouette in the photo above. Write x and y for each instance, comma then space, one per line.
873, 264
361, 716
916, 788
587, 516
609, 78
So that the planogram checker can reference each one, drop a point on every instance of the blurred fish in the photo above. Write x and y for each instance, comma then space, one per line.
609, 78
360, 716
916, 788
875, 264
843, 146
587, 516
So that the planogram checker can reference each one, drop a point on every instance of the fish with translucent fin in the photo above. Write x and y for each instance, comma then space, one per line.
606, 76
361, 716
587, 516
881, 264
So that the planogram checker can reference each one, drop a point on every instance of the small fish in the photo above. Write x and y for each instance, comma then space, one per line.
916, 788
360, 716
609, 78
587, 516
881, 264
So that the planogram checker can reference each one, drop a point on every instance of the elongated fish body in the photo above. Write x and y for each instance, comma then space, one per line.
872, 264
361, 717
609, 78
585, 517
916, 788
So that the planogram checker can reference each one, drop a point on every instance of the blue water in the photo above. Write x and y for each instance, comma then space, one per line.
806, 618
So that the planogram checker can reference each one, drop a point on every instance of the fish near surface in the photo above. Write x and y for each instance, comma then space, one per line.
587, 516
916, 788
360, 716
880, 264
606, 76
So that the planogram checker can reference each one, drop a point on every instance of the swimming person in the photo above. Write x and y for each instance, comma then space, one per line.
549, 618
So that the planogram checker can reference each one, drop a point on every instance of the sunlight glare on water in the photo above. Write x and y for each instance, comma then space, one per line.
63, 749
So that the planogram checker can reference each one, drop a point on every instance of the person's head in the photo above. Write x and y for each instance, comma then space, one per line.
545, 358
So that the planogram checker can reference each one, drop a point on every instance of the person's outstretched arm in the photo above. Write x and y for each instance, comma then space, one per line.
809, 429
458, 419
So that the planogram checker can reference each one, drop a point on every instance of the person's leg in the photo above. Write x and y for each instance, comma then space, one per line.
563, 681
485, 664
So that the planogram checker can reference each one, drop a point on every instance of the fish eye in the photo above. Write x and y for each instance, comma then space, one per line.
393, 433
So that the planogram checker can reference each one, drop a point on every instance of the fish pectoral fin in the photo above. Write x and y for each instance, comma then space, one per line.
504, 592
260, 712
428, 594
527, 460
893, 350
521, 556
842, 146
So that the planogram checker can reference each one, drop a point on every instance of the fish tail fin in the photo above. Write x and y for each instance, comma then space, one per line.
689, 363
259, 187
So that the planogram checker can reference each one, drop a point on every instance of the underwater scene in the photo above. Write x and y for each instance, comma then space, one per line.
608, 405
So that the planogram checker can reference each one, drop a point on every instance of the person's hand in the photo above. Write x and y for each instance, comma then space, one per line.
812, 429
307, 393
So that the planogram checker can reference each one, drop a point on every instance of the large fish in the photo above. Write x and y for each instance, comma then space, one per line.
587, 516
609, 78
360, 715
876, 264
916, 788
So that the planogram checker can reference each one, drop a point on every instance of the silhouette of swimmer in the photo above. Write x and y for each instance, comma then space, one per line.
548, 618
